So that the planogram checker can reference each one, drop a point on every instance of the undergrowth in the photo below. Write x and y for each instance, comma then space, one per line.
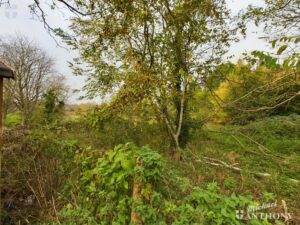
101, 192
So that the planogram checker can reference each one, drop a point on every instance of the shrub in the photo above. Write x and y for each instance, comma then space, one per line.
12, 120
102, 191
35, 167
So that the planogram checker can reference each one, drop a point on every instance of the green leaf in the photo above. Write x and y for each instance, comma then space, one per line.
286, 63
125, 184
281, 49
224, 212
127, 164
111, 155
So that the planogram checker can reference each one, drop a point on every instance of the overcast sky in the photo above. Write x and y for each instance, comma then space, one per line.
17, 19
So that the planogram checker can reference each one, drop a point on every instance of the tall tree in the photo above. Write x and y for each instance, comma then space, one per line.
155, 51
32, 66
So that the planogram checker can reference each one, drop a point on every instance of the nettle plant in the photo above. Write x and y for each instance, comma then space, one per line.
127, 185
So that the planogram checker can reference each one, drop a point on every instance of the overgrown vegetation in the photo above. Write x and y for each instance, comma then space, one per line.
185, 137
94, 185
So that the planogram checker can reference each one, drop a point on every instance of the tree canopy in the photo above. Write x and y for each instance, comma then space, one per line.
155, 51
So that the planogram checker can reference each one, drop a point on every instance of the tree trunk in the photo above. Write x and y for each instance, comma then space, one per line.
180, 100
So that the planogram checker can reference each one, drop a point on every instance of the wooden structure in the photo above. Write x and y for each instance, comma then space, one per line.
5, 72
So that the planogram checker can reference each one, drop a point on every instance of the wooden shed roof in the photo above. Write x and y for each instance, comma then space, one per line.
5, 71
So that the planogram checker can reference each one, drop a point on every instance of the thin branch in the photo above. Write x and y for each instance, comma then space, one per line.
269, 107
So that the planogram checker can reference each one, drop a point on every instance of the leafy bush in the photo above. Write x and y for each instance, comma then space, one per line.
105, 185
12, 120
113, 128
101, 192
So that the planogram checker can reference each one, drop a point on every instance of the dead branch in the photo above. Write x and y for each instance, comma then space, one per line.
220, 163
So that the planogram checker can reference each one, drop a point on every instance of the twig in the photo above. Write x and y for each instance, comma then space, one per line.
37, 197
55, 211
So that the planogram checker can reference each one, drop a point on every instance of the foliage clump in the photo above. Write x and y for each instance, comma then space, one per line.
101, 192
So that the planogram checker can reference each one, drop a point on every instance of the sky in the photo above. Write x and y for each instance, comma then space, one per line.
18, 19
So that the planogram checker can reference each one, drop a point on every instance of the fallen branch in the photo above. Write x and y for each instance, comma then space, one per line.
217, 162
220, 163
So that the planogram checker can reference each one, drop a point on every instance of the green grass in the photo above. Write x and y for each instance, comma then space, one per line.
270, 146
